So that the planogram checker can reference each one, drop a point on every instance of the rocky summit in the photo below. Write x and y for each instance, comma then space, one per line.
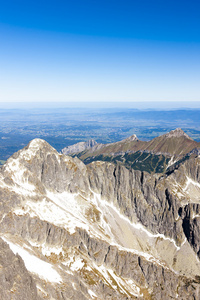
97, 231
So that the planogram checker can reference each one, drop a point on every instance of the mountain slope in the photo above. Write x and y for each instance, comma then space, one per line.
152, 156
175, 143
101, 231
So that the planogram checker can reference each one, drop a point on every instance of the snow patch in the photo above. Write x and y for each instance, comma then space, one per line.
77, 265
118, 282
48, 211
35, 265
67, 210
147, 256
171, 162
190, 182
74, 263
46, 249
92, 294
194, 216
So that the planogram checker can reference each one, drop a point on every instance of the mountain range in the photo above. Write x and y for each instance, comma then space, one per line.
153, 156
104, 229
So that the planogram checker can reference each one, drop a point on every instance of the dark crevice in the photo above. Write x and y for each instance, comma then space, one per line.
139, 263
186, 229
180, 211
142, 178
48, 231
168, 198
106, 254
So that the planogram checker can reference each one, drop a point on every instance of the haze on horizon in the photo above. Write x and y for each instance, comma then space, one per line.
99, 51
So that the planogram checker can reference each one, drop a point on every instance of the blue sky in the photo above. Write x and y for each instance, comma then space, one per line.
99, 50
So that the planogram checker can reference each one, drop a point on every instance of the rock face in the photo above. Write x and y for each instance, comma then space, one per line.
97, 231
15, 281
79, 147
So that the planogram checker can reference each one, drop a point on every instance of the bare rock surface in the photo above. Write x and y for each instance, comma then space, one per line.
79, 147
178, 132
101, 231
15, 281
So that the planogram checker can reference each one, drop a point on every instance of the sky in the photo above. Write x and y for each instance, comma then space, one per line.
99, 51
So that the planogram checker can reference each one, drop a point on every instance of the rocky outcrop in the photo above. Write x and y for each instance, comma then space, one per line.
79, 147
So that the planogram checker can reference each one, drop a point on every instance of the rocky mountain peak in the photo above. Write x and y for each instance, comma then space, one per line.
132, 138
38, 144
79, 147
28, 155
35, 146
178, 132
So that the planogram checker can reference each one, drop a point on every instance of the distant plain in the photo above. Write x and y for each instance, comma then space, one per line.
65, 126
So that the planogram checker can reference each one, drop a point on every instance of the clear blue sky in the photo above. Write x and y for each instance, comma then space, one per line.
89, 50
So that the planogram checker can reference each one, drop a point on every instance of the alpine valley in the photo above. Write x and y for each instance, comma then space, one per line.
102, 221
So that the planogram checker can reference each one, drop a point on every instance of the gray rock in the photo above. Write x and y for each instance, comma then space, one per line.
15, 281
149, 200
79, 147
